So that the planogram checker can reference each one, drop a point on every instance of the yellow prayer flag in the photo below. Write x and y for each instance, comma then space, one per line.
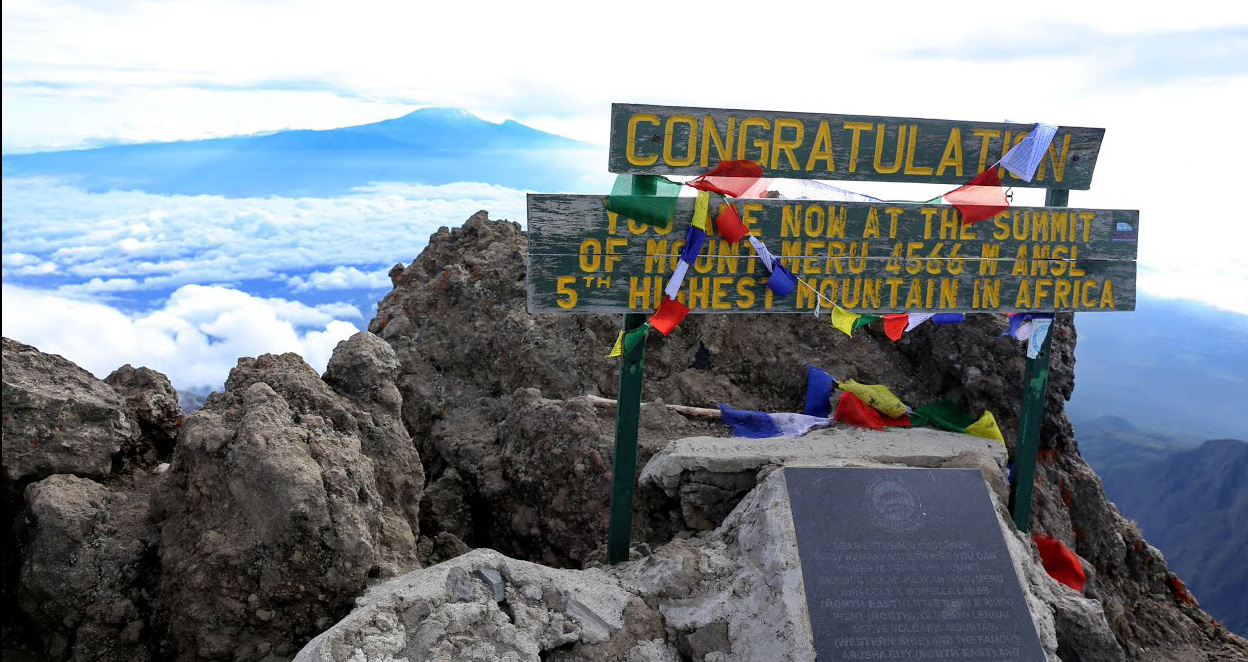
618, 350
701, 209
843, 319
986, 426
877, 397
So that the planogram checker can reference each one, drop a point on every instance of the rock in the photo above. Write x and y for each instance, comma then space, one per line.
152, 402
287, 490
58, 419
709, 475
523, 473
734, 593
449, 611
87, 569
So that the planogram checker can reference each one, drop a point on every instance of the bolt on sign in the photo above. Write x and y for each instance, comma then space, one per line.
663, 140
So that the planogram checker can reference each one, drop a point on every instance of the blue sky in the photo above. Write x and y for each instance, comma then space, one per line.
1168, 85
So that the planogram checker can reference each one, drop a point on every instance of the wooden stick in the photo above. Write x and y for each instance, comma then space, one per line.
695, 412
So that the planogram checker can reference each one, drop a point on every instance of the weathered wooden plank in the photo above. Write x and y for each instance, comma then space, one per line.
580, 224
567, 284
667, 140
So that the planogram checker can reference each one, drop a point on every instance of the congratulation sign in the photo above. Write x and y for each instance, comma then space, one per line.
865, 257
663, 140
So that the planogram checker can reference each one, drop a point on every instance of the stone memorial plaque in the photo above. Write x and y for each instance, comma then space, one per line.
907, 564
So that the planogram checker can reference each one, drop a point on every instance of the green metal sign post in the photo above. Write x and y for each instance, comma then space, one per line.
1035, 383
624, 468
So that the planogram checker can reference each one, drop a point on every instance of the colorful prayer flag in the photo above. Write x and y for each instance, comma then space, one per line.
986, 427
1021, 326
668, 315
701, 207
1023, 158
818, 391
895, 324
757, 424
843, 319
1061, 563
980, 198
948, 318
731, 178
781, 281
864, 319
676, 279
619, 346
877, 396
851, 409
917, 319
631, 338
694, 238
943, 414
729, 224
644, 198
763, 254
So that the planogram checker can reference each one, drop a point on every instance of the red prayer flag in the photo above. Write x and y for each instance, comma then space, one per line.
982, 197
895, 324
729, 224
1061, 563
730, 178
851, 409
668, 315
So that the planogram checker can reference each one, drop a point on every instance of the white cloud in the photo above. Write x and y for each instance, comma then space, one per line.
194, 338
341, 278
130, 240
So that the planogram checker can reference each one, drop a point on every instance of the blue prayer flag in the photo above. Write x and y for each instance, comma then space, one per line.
818, 392
781, 281
694, 238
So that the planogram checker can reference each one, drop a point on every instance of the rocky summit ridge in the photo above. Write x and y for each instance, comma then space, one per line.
441, 491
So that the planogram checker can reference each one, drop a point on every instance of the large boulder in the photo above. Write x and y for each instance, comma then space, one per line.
285, 496
483, 606
152, 403
58, 418
734, 593
88, 569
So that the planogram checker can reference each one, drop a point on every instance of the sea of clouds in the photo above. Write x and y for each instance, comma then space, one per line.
188, 284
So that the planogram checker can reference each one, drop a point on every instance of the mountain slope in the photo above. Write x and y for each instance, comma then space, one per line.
1193, 505
1112, 442
1173, 367
428, 146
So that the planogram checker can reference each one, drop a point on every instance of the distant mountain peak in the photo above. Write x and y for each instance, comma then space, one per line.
446, 113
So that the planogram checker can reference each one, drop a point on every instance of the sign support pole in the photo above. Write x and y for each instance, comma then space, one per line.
1035, 383
624, 468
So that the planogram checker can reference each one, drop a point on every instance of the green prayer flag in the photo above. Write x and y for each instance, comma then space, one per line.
943, 414
864, 319
634, 336
645, 198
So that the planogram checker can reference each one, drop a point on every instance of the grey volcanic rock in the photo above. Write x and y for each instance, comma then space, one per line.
58, 418
152, 402
734, 593
88, 569
284, 497
450, 612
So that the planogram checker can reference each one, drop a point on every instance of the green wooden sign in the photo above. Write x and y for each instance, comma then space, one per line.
866, 257
666, 140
